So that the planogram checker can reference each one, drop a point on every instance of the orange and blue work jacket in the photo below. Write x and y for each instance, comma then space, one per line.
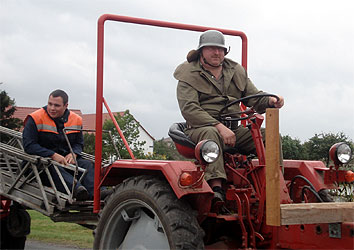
44, 136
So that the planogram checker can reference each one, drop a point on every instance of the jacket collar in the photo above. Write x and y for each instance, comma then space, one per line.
191, 72
64, 118
228, 70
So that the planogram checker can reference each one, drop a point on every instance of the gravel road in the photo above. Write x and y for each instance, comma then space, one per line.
38, 245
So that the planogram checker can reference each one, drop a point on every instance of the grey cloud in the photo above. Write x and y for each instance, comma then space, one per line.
297, 50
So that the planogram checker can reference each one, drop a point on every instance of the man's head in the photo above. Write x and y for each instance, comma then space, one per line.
211, 48
57, 103
212, 38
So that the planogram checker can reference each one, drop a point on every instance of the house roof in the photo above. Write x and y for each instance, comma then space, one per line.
88, 120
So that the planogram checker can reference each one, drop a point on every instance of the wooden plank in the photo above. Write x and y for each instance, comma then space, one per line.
309, 213
272, 168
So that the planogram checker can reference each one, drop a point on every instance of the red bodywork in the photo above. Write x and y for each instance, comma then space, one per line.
4, 207
172, 170
244, 223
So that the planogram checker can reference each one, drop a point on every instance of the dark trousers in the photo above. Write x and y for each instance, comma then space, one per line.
87, 181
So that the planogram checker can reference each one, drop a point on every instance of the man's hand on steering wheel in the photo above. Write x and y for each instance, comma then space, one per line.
273, 101
276, 103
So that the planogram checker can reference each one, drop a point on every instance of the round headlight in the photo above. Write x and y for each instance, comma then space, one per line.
340, 153
207, 151
344, 153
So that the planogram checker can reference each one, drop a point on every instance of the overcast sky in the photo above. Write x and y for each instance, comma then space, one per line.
301, 50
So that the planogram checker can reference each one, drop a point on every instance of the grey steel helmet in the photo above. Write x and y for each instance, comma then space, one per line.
212, 38
208, 38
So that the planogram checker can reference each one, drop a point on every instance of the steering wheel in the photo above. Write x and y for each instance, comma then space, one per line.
248, 112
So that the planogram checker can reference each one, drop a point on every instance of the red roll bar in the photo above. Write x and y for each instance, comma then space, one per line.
99, 90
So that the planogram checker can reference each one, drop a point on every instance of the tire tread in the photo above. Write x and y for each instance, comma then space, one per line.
185, 230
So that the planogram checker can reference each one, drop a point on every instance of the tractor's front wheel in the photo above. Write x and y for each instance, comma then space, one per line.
144, 213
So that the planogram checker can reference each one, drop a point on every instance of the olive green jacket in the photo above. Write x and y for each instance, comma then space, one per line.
200, 96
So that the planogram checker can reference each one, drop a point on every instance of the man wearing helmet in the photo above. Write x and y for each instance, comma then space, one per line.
206, 83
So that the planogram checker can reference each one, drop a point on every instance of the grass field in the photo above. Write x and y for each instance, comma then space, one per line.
44, 229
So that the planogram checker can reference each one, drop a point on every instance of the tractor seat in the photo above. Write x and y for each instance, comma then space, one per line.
176, 132
184, 144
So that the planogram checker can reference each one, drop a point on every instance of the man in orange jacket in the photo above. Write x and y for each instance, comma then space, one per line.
43, 135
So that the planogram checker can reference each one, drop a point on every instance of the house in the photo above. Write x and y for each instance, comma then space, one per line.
89, 123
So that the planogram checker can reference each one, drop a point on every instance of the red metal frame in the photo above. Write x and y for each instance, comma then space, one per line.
119, 130
99, 90
4, 207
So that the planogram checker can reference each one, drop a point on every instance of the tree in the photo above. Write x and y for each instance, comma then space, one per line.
130, 129
292, 148
166, 149
8, 108
89, 145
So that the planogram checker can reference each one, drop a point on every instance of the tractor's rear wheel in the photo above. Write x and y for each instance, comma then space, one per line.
144, 213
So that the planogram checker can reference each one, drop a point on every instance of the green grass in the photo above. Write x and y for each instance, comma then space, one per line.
44, 229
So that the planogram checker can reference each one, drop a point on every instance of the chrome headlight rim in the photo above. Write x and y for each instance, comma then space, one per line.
340, 153
207, 151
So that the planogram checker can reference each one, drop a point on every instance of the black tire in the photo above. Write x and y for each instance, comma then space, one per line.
147, 202
7, 241
19, 222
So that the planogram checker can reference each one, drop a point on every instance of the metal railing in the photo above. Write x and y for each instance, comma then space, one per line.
22, 176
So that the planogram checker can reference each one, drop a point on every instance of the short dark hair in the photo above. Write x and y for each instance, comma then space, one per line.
62, 94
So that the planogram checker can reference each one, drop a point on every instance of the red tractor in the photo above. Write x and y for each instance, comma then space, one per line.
159, 204
168, 204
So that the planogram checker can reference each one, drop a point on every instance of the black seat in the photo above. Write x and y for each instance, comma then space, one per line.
176, 132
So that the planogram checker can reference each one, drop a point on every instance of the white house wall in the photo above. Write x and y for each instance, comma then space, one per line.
149, 142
